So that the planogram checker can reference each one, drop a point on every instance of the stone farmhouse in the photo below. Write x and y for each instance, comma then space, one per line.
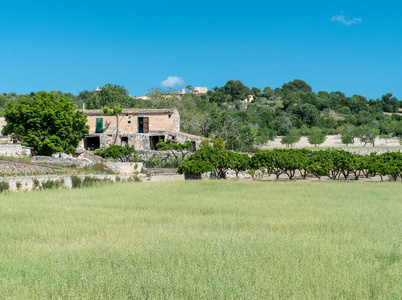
141, 128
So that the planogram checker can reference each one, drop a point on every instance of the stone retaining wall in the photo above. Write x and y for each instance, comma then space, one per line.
7, 167
63, 160
15, 150
27, 183
124, 168
368, 151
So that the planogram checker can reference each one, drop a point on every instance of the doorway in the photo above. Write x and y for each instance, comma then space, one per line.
124, 141
92, 143
154, 141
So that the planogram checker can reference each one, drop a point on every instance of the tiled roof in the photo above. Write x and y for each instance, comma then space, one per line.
97, 112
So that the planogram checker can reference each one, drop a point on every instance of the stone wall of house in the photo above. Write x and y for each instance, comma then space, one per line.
159, 120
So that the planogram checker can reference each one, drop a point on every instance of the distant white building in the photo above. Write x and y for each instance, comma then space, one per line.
248, 99
200, 90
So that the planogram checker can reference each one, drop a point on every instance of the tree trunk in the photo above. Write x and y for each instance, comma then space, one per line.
117, 129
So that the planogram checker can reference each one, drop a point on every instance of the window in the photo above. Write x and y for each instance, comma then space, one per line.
143, 125
99, 125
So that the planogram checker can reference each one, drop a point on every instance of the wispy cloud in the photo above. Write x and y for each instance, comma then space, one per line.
345, 20
172, 81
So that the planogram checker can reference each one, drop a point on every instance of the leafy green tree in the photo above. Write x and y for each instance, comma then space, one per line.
236, 89
179, 150
291, 138
209, 159
317, 137
368, 134
47, 123
122, 153
318, 164
240, 162
347, 138
110, 95
390, 103
296, 85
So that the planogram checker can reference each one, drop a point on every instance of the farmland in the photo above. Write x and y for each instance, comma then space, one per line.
204, 239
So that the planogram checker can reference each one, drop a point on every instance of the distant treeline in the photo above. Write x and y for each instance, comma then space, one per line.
291, 111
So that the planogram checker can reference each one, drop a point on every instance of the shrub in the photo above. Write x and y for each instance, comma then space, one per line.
36, 184
75, 182
18, 185
121, 153
52, 184
4, 186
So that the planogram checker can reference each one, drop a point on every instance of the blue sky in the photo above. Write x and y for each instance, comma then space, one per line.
350, 46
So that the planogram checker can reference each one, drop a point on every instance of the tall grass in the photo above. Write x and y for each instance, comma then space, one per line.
203, 240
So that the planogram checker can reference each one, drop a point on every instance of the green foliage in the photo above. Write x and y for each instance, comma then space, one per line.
52, 184
110, 95
47, 123
18, 185
75, 182
170, 145
215, 142
317, 137
296, 85
291, 138
367, 134
36, 183
209, 159
4, 186
115, 111
122, 153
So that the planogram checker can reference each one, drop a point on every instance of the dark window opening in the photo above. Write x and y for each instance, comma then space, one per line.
124, 141
92, 143
143, 125
154, 140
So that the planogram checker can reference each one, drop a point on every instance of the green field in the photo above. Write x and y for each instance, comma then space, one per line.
204, 240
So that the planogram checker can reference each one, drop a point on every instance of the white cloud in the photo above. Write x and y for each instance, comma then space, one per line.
172, 81
345, 20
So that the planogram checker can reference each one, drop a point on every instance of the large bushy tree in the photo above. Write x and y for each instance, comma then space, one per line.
47, 123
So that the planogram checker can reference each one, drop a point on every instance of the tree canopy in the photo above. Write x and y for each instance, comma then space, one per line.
47, 123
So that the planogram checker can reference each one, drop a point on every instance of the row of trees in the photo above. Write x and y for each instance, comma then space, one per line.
335, 164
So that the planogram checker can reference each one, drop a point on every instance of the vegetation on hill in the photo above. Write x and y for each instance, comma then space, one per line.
291, 109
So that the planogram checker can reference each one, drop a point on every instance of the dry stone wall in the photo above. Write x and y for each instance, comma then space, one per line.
14, 150
28, 183
7, 167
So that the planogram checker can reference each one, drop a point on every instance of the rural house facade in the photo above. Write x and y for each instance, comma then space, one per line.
141, 128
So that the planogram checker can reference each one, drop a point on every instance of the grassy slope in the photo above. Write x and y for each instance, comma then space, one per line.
209, 239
